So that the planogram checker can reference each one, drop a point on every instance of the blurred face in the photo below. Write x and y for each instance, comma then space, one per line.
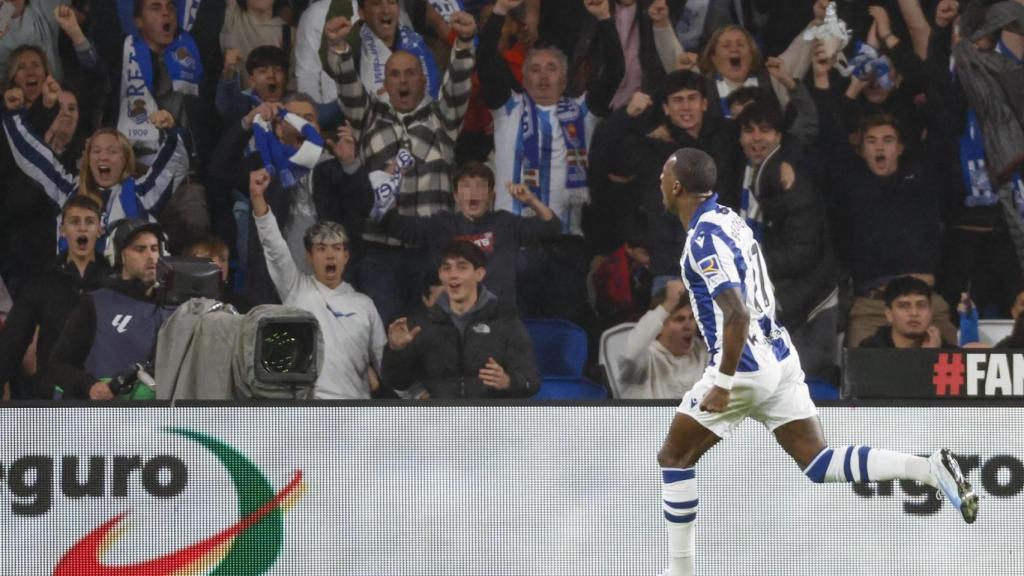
759, 140
668, 186
138, 259
158, 23
910, 315
678, 331
106, 159
80, 227
220, 260
382, 18
286, 132
19, 7
544, 78
685, 109
874, 92
67, 119
732, 56
460, 279
404, 81
269, 82
29, 75
328, 260
881, 150
473, 196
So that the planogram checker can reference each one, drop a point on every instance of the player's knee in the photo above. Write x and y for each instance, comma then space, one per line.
673, 456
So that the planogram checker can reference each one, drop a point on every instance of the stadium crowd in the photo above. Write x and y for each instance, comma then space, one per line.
420, 175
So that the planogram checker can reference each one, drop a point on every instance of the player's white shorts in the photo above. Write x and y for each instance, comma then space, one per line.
773, 396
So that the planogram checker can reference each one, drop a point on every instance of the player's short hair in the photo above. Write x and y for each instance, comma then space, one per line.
208, 245
463, 249
79, 201
695, 170
475, 170
759, 113
681, 80
262, 56
324, 232
906, 286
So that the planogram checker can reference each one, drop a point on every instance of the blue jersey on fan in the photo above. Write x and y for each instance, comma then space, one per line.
721, 253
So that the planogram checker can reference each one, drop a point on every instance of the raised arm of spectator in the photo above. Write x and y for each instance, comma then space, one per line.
309, 73
16, 336
805, 125
34, 157
906, 62
71, 350
168, 169
459, 79
635, 354
601, 87
496, 80
230, 102
543, 226
796, 57
665, 40
341, 67
283, 271
917, 25
403, 357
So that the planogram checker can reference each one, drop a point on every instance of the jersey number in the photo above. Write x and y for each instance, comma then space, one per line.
762, 300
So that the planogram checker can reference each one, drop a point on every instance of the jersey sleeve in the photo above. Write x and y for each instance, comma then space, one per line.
713, 260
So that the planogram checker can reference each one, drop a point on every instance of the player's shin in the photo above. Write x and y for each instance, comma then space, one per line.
679, 503
866, 464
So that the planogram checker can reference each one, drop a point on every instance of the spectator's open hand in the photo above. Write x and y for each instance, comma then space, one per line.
259, 181
599, 8
520, 192
345, 147
945, 13
336, 30
14, 99
51, 92
464, 25
493, 375
658, 12
232, 59
162, 120
68, 22
400, 335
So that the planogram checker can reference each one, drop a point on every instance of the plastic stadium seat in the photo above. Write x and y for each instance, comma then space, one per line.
822, 389
567, 388
559, 345
613, 340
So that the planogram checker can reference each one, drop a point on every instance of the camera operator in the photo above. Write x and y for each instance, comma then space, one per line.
117, 325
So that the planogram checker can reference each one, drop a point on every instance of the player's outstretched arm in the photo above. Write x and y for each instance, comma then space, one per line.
736, 325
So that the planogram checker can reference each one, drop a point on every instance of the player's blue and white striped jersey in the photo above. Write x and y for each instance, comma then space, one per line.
721, 253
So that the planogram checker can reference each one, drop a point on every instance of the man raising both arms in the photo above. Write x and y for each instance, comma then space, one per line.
753, 369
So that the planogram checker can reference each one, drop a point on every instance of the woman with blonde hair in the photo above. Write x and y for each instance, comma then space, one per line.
108, 172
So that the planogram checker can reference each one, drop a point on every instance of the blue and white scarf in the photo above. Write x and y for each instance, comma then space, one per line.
375, 54
750, 208
387, 183
183, 65
724, 91
285, 162
868, 64
534, 148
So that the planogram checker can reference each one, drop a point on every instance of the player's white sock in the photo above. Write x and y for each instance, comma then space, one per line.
866, 464
679, 503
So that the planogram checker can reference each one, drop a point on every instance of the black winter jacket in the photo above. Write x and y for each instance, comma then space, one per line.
46, 301
447, 362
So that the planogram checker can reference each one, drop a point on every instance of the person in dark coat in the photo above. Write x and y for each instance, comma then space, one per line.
471, 346
499, 233
49, 298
